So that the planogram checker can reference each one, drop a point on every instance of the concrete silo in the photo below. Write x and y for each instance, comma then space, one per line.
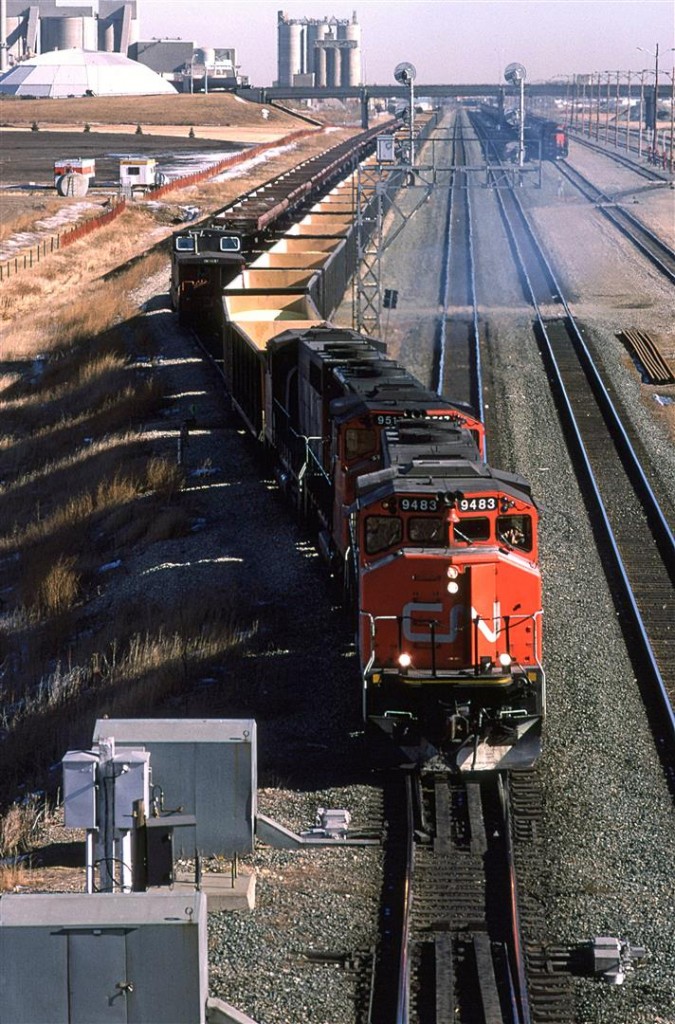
290, 37
351, 56
316, 56
327, 48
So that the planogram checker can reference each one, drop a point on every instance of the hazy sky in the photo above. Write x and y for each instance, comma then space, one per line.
447, 40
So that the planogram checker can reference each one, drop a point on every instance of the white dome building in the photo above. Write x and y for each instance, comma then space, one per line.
82, 73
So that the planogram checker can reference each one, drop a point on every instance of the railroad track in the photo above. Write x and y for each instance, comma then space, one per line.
622, 158
661, 255
467, 961
459, 366
633, 534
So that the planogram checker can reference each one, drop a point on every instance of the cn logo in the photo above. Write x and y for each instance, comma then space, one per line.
419, 630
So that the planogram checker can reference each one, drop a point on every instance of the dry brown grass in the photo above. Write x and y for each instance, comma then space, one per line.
18, 826
59, 588
66, 284
181, 109
13, 876
126, 671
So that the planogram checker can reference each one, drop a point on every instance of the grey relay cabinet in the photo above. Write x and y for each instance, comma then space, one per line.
108, 958
207, 767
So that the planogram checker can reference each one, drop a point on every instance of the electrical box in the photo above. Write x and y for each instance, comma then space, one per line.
132, 783
204, 766
103, 958
79, 788
386, 153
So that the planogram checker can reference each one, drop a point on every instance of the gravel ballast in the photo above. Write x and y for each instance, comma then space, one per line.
608, 818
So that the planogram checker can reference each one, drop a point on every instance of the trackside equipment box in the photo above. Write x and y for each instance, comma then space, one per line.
205, 766
70, 958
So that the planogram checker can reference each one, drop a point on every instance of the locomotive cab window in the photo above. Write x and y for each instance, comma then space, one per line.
426, 530
359, 442
382, 532
516, 531
472, 530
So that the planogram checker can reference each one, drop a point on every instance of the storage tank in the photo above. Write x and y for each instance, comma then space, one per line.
351, 58
89, 34
289, 52
60, 34
333, 67
106, 35
15, 37
321, 31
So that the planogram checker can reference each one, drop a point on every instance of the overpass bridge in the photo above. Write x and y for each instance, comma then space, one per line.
364, 93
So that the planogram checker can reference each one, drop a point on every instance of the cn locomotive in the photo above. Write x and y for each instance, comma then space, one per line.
437, 551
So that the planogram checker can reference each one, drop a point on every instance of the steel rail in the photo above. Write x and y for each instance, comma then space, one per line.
403, 997
665, 725
620, 158
389, 1001
519, 991
643, 488
478, 365
476, 399
634, 230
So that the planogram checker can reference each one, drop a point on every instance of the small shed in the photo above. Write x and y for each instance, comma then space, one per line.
137, 172
82, 166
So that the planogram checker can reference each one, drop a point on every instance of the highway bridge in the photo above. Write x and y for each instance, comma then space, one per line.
365, 93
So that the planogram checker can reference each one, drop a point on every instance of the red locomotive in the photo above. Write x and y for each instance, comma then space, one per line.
440, 549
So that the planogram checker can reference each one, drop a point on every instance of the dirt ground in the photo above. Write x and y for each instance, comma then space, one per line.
29, 156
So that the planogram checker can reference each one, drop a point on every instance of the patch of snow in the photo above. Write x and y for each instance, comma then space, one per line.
47, 225
244, 167
111, 565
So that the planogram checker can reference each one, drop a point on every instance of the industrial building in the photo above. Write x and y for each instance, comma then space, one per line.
77, 72
30, 29
110, 26
318, 51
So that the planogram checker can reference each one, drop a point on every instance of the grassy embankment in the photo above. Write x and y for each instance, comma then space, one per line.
81, 487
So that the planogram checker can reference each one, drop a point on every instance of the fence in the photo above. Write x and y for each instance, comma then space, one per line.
31, 257
230, 161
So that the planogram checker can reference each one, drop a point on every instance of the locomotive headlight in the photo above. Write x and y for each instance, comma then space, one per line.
405, 660
453, 587
505, 660
453, 572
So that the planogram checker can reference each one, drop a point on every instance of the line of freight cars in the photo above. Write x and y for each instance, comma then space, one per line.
544, 139
437, 551
206, 254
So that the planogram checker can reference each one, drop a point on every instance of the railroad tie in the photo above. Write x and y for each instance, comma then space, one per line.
652, 361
